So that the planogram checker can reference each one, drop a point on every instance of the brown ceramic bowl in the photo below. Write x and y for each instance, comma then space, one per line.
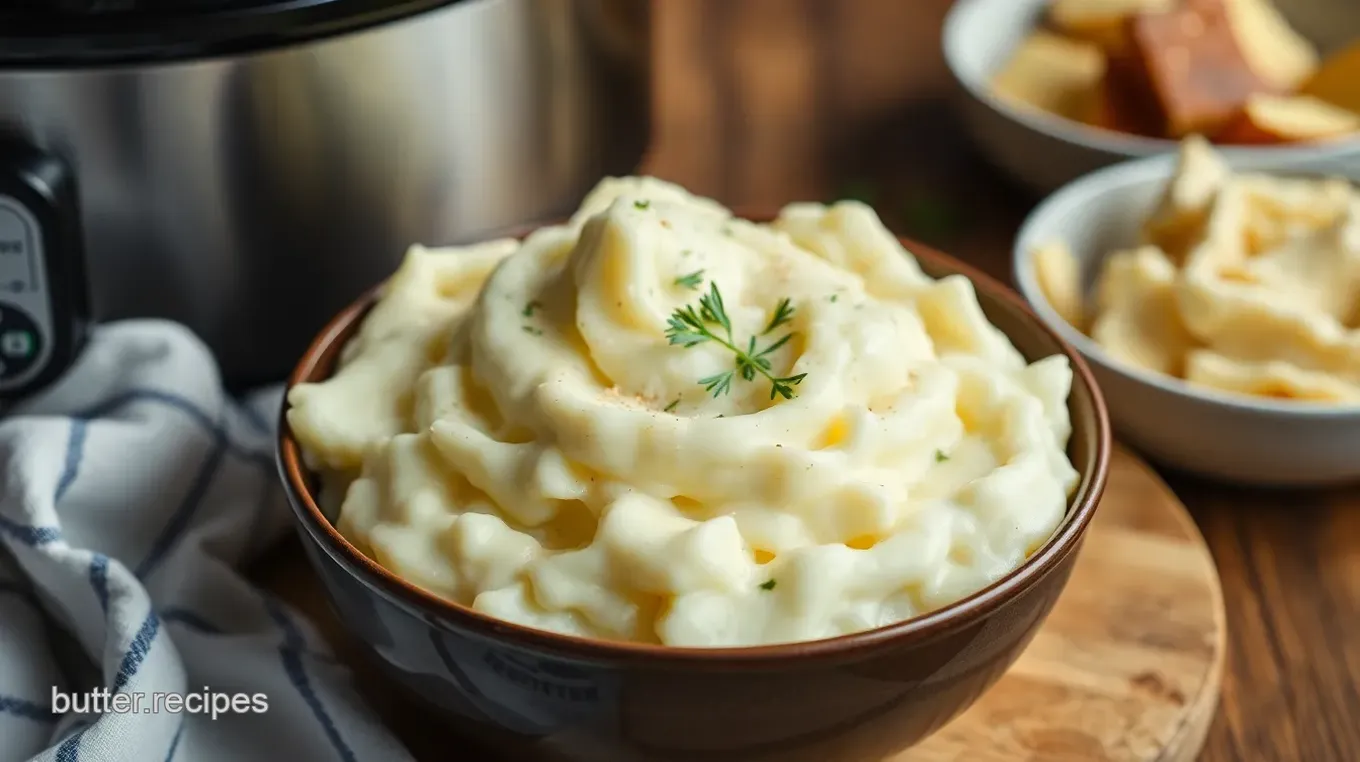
538, 695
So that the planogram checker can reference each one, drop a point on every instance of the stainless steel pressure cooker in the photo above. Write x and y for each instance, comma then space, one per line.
247, 167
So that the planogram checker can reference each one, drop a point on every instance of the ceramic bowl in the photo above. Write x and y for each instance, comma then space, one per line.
1231, 437
1041, 151
536, 695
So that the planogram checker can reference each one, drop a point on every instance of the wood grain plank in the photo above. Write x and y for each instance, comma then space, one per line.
775, 129
687, 140
1295, 608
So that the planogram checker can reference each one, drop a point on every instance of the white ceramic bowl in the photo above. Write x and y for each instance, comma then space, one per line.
1236, 438
1041, 151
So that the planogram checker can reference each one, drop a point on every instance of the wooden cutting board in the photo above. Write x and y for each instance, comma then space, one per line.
1126, 669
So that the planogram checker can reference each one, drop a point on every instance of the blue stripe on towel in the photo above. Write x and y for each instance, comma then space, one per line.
263, 459
137, 651
199, 623
174, 742
291, 653
75, 444
99, 579
69, 751
179, 520
13, 706
75, 452
34, 537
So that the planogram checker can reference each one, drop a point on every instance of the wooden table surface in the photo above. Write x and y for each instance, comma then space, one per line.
761, 102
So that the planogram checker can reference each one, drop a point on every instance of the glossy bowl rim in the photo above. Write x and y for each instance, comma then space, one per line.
1097, 138
1064, 541
1143, 172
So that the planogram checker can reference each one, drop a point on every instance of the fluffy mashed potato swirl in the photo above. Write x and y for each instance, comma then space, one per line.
513, 428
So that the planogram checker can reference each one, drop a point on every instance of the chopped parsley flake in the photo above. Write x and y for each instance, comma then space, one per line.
691, 281
767, 584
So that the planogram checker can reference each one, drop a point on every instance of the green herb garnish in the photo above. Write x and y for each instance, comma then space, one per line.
671, 406
783, 313
690, 327
940, 457
767, 584
532, 330
642, 204
529, 309
691, 281
834, 297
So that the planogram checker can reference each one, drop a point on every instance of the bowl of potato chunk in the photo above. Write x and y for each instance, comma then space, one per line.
1217, 300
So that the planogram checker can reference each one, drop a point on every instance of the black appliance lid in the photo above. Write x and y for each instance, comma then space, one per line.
49, 34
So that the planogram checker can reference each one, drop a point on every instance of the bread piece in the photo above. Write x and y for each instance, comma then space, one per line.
1127, 104
1274, 119
1053, 74
1337, 80
1277, 53
1193, 66
1101, 21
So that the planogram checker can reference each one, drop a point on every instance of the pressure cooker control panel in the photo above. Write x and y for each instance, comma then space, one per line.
44, 312
25, 314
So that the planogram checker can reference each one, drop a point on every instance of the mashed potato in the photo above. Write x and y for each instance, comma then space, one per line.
659, 423
1246, 283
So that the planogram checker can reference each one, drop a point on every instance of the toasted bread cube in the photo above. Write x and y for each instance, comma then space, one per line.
1274, 119
1194, 67
1127, 104
1101, 21
1053, 74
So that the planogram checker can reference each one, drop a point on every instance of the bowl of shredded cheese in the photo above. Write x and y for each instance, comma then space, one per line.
662, 478
1218, 299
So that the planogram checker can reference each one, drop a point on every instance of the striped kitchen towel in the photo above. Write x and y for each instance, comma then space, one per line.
132, 492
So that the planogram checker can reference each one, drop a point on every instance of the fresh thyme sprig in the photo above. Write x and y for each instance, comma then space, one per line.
690, 327
783, 313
